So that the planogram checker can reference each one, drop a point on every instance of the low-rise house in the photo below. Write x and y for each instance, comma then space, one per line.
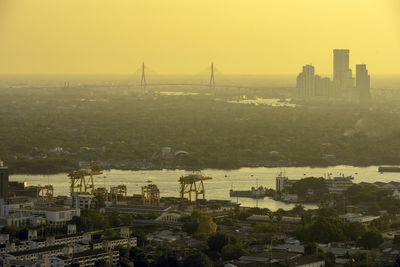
308, 261
4, 238
340, 251
111, 243
19, 263
290, 245
39, 253
70, 239
285, 223
136, 209
357, 217
86, 258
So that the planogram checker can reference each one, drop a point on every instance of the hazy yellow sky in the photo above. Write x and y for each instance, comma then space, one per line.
183, 36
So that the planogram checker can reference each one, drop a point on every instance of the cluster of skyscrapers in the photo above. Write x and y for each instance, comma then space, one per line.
342, 85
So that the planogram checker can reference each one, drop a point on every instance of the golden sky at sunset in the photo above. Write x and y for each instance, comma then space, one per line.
184, 36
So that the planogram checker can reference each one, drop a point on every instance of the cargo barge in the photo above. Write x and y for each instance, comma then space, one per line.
253, 193
389, 169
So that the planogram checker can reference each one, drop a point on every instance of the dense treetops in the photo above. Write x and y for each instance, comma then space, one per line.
120, 129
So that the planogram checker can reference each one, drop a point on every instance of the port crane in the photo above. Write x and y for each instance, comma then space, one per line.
117, 192
151, 195
193, 183
45, 193
82, 180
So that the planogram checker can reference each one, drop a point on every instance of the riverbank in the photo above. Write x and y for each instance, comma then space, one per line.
42, 167
217, 188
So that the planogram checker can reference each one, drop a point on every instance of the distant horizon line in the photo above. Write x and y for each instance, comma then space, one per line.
177, 74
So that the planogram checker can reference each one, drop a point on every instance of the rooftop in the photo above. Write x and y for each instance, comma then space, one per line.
89, 253
36, 250
48, 208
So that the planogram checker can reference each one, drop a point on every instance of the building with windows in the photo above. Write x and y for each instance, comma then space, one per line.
306, 82
83, 201
342, 74
3, 181
39, 253
363, 83
310, 85
282, 182
85, 258
338, 185
56, 216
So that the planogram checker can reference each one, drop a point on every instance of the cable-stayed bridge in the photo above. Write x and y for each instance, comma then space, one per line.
144, 84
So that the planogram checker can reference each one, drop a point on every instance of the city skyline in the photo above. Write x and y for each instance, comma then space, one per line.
343, 84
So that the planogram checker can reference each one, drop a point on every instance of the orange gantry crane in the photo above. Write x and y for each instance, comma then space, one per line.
45, 193
151, 195
82, 180
193, 183
118, 192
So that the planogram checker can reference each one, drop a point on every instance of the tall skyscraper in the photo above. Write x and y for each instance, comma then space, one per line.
3, 181
306, 82
342, 74
363, 83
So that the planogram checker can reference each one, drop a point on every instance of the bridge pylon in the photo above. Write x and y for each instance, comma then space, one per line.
143, 80
212, 81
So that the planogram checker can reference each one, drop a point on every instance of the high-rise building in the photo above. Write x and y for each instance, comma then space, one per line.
3, 181
324, 87
363, 83
306, 82
342, 74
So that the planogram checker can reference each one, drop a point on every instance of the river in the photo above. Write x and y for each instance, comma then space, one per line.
218, 187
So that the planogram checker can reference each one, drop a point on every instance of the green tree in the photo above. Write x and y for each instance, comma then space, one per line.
138, 257
199, 224
80, 222
206, 226
371, 239
327, 212
298, 209
114, 219
127, 219
310, 248
166, 257
396, 239
218, 240
197, 260
100, 201
233, 251
264, 228
353, 230
110, 233
190, 227
95, 220
330, 259
322, 229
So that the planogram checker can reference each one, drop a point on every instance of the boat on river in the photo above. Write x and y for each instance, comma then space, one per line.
389, 169
253, 193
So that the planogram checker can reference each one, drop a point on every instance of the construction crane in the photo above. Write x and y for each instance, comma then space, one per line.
45, 193
151, 195
193, 183
118, 191
82, 180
